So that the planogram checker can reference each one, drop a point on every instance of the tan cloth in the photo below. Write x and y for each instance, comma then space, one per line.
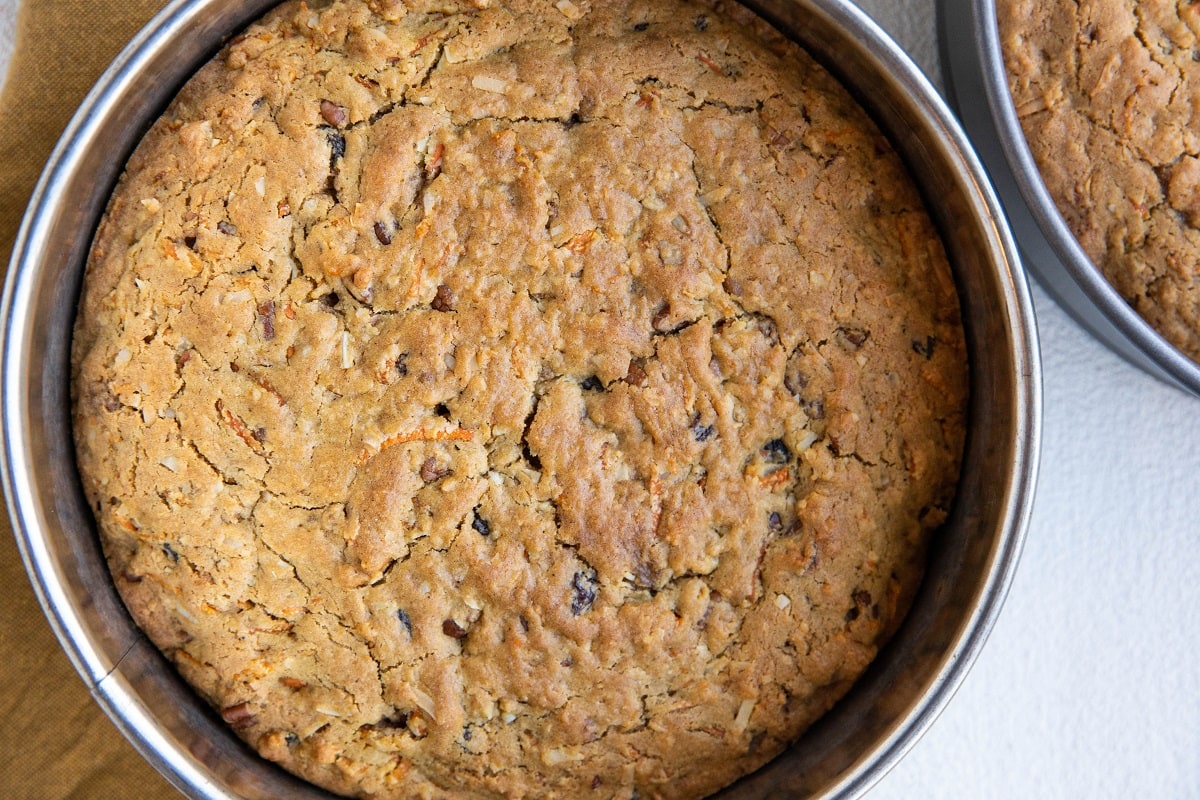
55, 742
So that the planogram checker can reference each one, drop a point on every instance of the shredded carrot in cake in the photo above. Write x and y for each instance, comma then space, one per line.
239, 427
708, 62
581, 241
419, 435
776, 479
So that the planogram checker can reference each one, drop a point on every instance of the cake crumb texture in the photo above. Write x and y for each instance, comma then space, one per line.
517, 399
1108, 95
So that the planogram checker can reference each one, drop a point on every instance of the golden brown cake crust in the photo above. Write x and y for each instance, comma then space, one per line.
1108, 94
517, 399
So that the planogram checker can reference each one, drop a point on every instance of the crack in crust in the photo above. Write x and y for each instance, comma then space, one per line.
521, 400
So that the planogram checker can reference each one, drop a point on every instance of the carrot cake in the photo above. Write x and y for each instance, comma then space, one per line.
517, 399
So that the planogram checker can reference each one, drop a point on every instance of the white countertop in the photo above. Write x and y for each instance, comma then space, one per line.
1089, 686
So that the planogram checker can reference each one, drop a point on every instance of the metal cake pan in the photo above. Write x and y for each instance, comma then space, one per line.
974, 68
972, 560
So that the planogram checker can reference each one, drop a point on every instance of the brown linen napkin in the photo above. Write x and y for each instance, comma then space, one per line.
55, 742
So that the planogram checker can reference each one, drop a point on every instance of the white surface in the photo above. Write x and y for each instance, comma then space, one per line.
1089, 686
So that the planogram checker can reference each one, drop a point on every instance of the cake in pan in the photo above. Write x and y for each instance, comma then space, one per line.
1108, 96
517, 399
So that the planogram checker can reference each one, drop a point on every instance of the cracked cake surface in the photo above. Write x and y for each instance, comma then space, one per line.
1108, 96
517, 399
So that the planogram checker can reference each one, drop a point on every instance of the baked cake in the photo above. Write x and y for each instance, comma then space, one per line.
1108, 95
517, 399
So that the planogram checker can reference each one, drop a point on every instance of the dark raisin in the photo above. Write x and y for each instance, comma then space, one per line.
444, 299
595, 781
775, 522
701, 432
641, 26
852, 336
169, 552
862, 601
592, 384
815, 408
454, 630
332, 113
701, 22
466, 734
227, 228
330, 300
583, 591
924, 348
401, 366
382, 233
402, 615
481, 525
776, 452
337, 145
259, 434
291, 739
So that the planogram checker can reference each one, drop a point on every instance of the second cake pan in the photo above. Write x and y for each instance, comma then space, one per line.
978, 87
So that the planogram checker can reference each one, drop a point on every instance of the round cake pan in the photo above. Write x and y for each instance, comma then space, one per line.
971, 562
978, 83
